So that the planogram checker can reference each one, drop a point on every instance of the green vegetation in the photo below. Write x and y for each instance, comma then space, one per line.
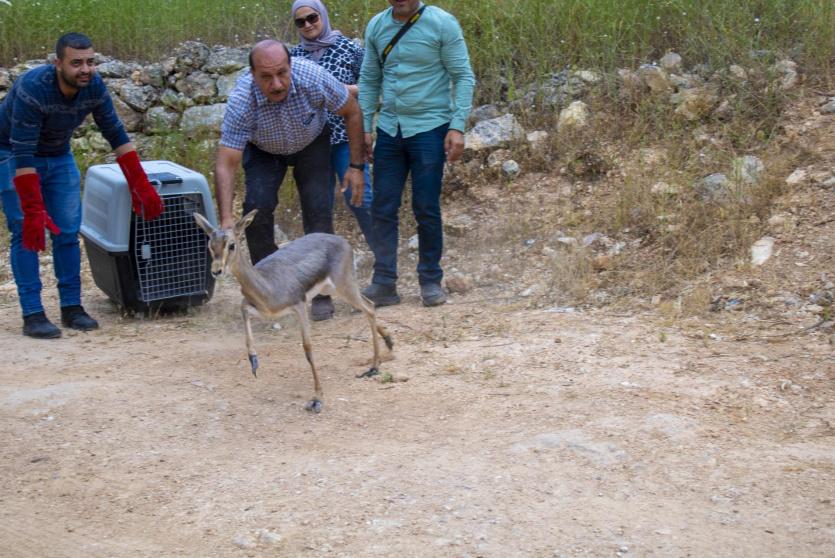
511, 41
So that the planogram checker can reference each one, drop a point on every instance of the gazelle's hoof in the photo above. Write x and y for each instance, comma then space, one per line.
368, 373
314, 406
253, 361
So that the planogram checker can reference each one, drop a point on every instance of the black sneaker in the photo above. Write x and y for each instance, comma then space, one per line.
76, 318
432, 294
37, 325
321, 308
381, 295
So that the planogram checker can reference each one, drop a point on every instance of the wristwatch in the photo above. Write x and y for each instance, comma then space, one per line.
358, 166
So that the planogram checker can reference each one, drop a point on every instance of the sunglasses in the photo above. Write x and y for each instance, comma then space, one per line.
302, 21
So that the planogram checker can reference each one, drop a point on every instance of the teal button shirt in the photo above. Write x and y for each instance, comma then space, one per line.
427, 80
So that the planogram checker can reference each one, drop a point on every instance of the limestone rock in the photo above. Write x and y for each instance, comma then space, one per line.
139, 97
129, 117
198, 86
798, 177
225, 60
761, 250
574, 116
671, 62
458, 283
203, 119
655, 78
190, 56
748, 169
159, 120
493, 133
695, 103
226, 83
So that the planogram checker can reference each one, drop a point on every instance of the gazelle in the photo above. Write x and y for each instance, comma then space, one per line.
289, 278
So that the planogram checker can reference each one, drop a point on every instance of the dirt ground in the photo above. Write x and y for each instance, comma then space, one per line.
509, 429
517, 433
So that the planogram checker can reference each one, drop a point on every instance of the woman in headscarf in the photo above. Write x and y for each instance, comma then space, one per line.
341, 57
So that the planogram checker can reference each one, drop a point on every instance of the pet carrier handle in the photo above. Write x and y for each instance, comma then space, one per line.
160, 179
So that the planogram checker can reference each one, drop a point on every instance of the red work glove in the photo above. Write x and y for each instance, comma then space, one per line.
35, 217
141, 192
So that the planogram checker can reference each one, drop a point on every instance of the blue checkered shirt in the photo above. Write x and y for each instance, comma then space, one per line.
286, 127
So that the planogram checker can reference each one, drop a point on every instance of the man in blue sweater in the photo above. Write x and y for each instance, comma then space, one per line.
40, 183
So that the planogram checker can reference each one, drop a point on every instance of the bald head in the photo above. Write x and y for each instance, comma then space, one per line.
269, 61
268, 50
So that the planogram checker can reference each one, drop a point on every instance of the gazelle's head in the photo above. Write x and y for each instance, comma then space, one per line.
222, 242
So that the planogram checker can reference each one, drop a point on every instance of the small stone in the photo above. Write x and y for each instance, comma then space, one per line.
738, 71
266, 536
587, 76
655, 78
778, 220
748, 169
244, 542
761, 250
538, 140
510, 168
601, 262
671, 62
458, 283
498, 157
664, 189
414, 243
798, 177
574, 116
529, 291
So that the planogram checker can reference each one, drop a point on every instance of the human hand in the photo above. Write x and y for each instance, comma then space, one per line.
145, 199
35, 217
453, 145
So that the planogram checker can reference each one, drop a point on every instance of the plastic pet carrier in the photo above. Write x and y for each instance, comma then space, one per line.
161, 264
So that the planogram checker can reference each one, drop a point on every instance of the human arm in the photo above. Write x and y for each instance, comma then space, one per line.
27, 119
354, 177
456, 60
104, 114
235, 133
226, 166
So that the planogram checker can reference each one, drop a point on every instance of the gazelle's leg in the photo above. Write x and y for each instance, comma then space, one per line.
246, 311
351, 293
315, 404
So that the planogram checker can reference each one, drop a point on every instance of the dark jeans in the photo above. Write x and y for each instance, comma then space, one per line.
395, 158
340, 158
61, 189
264, 172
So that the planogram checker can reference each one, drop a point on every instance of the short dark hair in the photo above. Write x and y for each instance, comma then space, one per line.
72, 40
282, 43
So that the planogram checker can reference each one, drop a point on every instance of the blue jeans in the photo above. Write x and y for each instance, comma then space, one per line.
61, 188
423, 156
340, 158
263, 174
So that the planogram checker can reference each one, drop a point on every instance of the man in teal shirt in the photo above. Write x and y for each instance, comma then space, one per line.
423, 88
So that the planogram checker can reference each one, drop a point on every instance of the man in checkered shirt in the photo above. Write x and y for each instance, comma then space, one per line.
276, 117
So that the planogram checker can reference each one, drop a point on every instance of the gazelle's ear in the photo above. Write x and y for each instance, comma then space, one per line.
245, 221
203, 223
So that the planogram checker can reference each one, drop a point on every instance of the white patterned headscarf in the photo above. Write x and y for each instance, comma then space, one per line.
316, 47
